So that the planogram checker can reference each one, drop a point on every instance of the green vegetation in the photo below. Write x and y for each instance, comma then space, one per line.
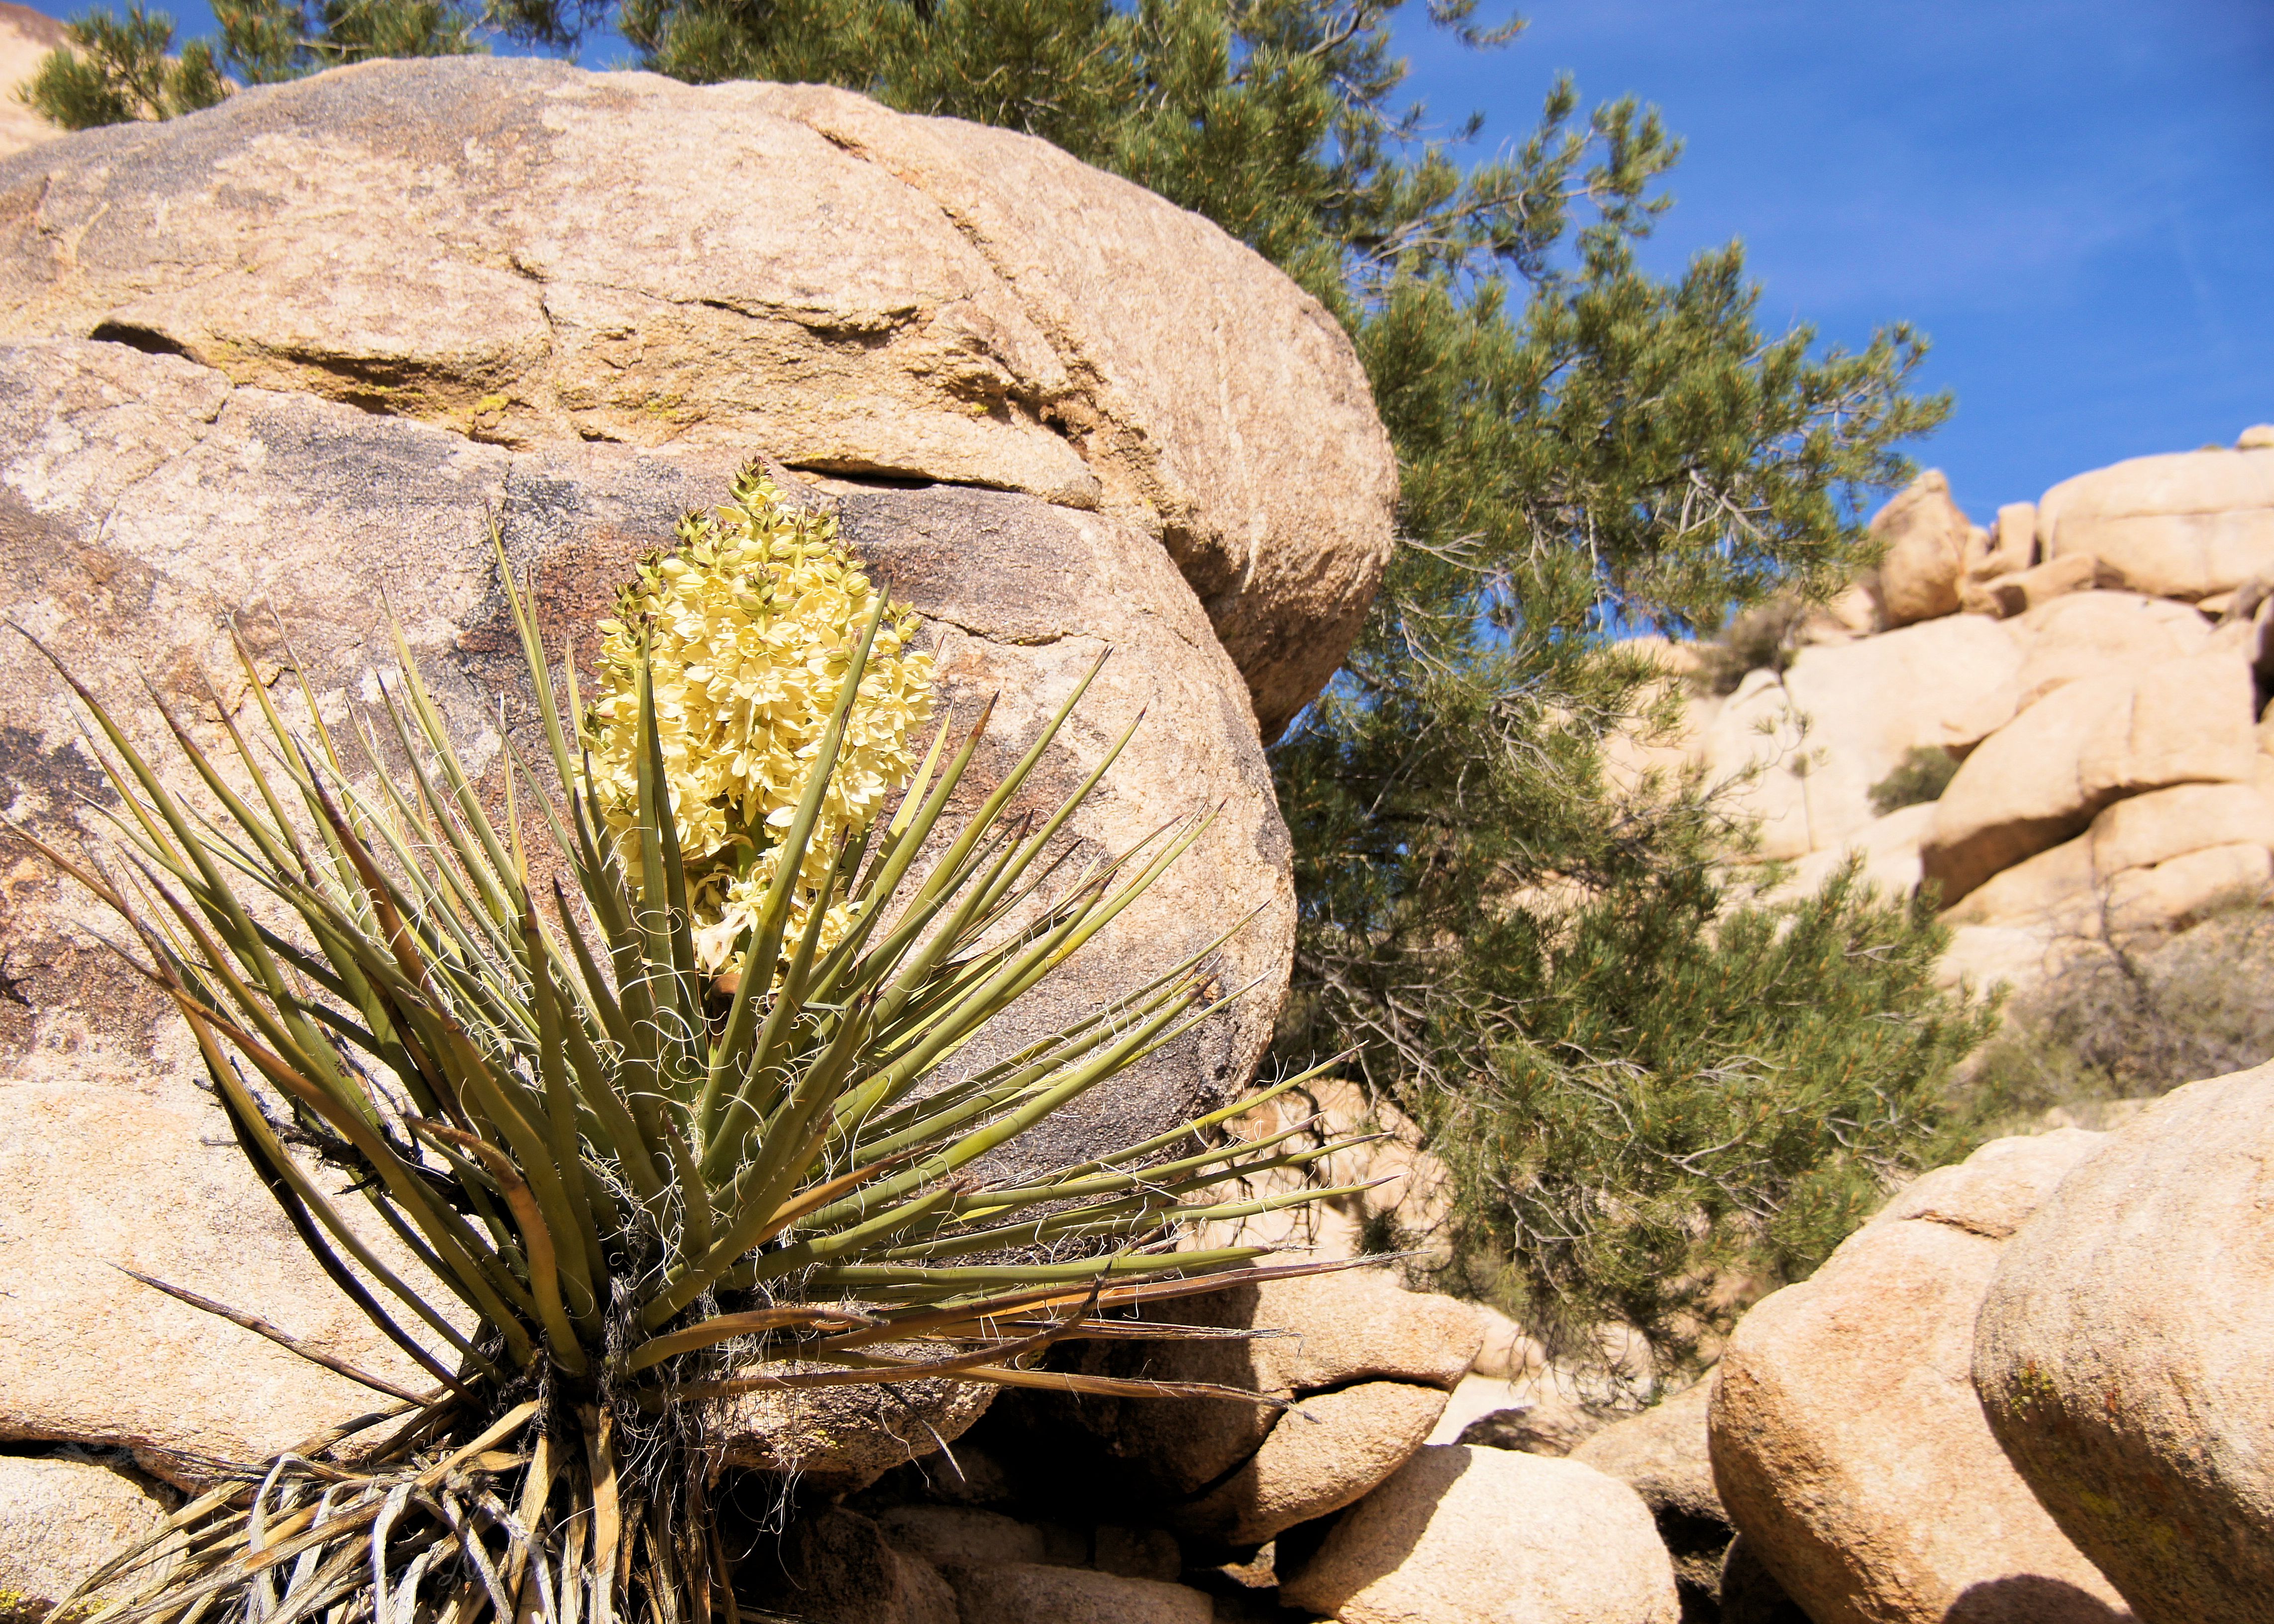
742, 1158
1924, 773
1584, 448
116, 72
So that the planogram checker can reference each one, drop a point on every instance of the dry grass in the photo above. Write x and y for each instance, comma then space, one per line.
2131, 1021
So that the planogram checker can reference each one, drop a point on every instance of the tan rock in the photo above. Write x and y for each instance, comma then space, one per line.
1889, 847
1022, 1593
60, 1519
1326, 1453
2040, 780
1507, 1351
2017, 536
2139, 862
1801, 751
2184, 525
1353, 1327
1847, 1444
2055, 889
832, 1565
2182, 890
2098, 634
525, 252
27, 36
961, 1535
2257, 437
1925, 537
147, 499
2165, 823
2025, 590
2121, 1354
1465, 1536
1664, 1454
840, 1439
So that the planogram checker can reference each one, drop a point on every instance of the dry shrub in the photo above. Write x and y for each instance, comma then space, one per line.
2133, 1019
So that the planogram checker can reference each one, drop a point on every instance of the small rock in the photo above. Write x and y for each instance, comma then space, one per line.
958, 1536
1925, 535
1325, 1452
1025, 1593
2257, 437
836, 1566
1464, 1536
1665, 1456
60, 1519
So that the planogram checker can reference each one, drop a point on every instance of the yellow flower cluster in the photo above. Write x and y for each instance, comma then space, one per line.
750, 623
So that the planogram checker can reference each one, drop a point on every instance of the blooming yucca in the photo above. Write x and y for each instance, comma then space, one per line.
746, 627
635, 1189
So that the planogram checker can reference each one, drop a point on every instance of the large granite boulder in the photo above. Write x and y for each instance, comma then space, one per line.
2122, 1354
2185, 525
145, 500
1847, 1445
2040, 779
526, 254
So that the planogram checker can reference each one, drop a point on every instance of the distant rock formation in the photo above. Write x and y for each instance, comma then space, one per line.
2094, 667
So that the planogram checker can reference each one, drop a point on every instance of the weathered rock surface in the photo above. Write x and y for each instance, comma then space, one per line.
1844, 716
1322, 1454
1378, 1360
527, 253
2185, 525
1926, 540
1665, 1456
1464, 1536
2090, 742
2100, 634
1847, 1445
832, 1565
1022, 1593
2156, 861
27, 36
145, 499
60, 1520
2121, 1354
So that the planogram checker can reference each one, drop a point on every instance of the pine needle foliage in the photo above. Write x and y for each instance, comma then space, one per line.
634, 1190
119, 70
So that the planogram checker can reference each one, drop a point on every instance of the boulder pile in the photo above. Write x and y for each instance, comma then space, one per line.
2089, 674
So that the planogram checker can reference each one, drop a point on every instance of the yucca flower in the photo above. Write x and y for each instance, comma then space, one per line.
745, 630
643, 1189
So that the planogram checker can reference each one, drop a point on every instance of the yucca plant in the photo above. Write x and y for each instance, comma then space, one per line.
708, 1120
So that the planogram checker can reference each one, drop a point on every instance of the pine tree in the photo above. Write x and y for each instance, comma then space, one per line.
115, 70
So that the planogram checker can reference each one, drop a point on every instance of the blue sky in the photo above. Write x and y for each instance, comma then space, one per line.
2074, 199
